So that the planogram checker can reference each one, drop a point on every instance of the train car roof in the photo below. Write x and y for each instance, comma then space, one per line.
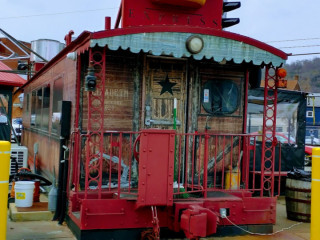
171, 41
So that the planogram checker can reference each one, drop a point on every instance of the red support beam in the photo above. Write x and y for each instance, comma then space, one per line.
269, 125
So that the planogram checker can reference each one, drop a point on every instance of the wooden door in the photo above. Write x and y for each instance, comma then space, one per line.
165, 81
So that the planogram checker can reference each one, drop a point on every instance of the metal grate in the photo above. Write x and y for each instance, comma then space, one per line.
20, 153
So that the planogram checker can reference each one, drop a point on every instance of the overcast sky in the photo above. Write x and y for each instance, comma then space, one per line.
265, 20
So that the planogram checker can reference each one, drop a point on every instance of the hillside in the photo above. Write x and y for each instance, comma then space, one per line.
308, 72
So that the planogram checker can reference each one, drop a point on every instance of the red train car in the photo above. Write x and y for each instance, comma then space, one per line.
146, 124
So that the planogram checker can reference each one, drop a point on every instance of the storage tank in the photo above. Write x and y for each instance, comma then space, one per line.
46, 48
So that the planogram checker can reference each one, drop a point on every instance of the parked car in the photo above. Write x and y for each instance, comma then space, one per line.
281, 137
17, 128
312, 140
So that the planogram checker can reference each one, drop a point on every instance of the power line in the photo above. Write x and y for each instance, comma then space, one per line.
303, 54
294, 40
304, 46
58, 13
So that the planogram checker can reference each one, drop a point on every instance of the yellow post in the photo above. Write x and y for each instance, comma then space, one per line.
315, 194
4, 186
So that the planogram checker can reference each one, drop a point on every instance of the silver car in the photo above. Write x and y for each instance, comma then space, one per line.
17, 128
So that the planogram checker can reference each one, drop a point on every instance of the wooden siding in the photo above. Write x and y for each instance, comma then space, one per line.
119, 94
230, 123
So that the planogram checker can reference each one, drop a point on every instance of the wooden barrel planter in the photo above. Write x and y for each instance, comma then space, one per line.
298, 200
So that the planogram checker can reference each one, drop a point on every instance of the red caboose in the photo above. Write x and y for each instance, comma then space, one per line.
154, 117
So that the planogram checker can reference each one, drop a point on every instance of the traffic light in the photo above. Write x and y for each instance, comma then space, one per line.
227, 7
90, 80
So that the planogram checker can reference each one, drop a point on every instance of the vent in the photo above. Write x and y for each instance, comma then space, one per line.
20, 153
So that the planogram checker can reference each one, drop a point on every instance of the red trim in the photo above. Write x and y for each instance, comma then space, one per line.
188, 29
10, 84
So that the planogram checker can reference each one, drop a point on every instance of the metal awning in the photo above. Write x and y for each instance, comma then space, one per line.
8, 78
173, 44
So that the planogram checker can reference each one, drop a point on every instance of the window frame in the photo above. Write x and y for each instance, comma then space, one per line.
220, 81
56, 105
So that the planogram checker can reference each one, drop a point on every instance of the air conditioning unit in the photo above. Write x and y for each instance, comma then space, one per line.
20, 153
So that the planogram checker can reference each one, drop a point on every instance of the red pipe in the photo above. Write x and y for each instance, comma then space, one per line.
107, 23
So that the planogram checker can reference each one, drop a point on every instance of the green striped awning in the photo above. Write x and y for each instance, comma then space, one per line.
174, 44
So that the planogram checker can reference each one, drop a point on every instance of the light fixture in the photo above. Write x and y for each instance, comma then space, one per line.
22, 65
90, 79
194, 44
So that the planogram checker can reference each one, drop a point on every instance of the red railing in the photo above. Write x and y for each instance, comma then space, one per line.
214, 162
99, 174
203, 163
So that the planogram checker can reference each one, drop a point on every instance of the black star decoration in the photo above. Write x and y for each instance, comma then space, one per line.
166, 86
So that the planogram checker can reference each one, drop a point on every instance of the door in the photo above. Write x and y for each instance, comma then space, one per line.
165, 82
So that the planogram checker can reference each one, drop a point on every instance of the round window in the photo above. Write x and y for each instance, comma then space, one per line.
220, 97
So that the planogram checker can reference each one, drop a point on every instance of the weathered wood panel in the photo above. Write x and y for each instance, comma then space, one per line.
118, 96
229, 123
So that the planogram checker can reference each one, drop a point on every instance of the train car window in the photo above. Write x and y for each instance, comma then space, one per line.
33, 108
39, 100
220, 97
27, 104
57, 96
45, 108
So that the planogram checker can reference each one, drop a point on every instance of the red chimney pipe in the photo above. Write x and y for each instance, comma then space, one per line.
107, 23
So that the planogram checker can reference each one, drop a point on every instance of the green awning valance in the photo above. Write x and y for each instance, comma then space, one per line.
174, 44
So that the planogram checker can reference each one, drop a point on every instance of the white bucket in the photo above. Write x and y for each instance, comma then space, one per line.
24, 193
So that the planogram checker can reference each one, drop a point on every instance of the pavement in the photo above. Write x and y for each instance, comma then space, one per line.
36, 230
